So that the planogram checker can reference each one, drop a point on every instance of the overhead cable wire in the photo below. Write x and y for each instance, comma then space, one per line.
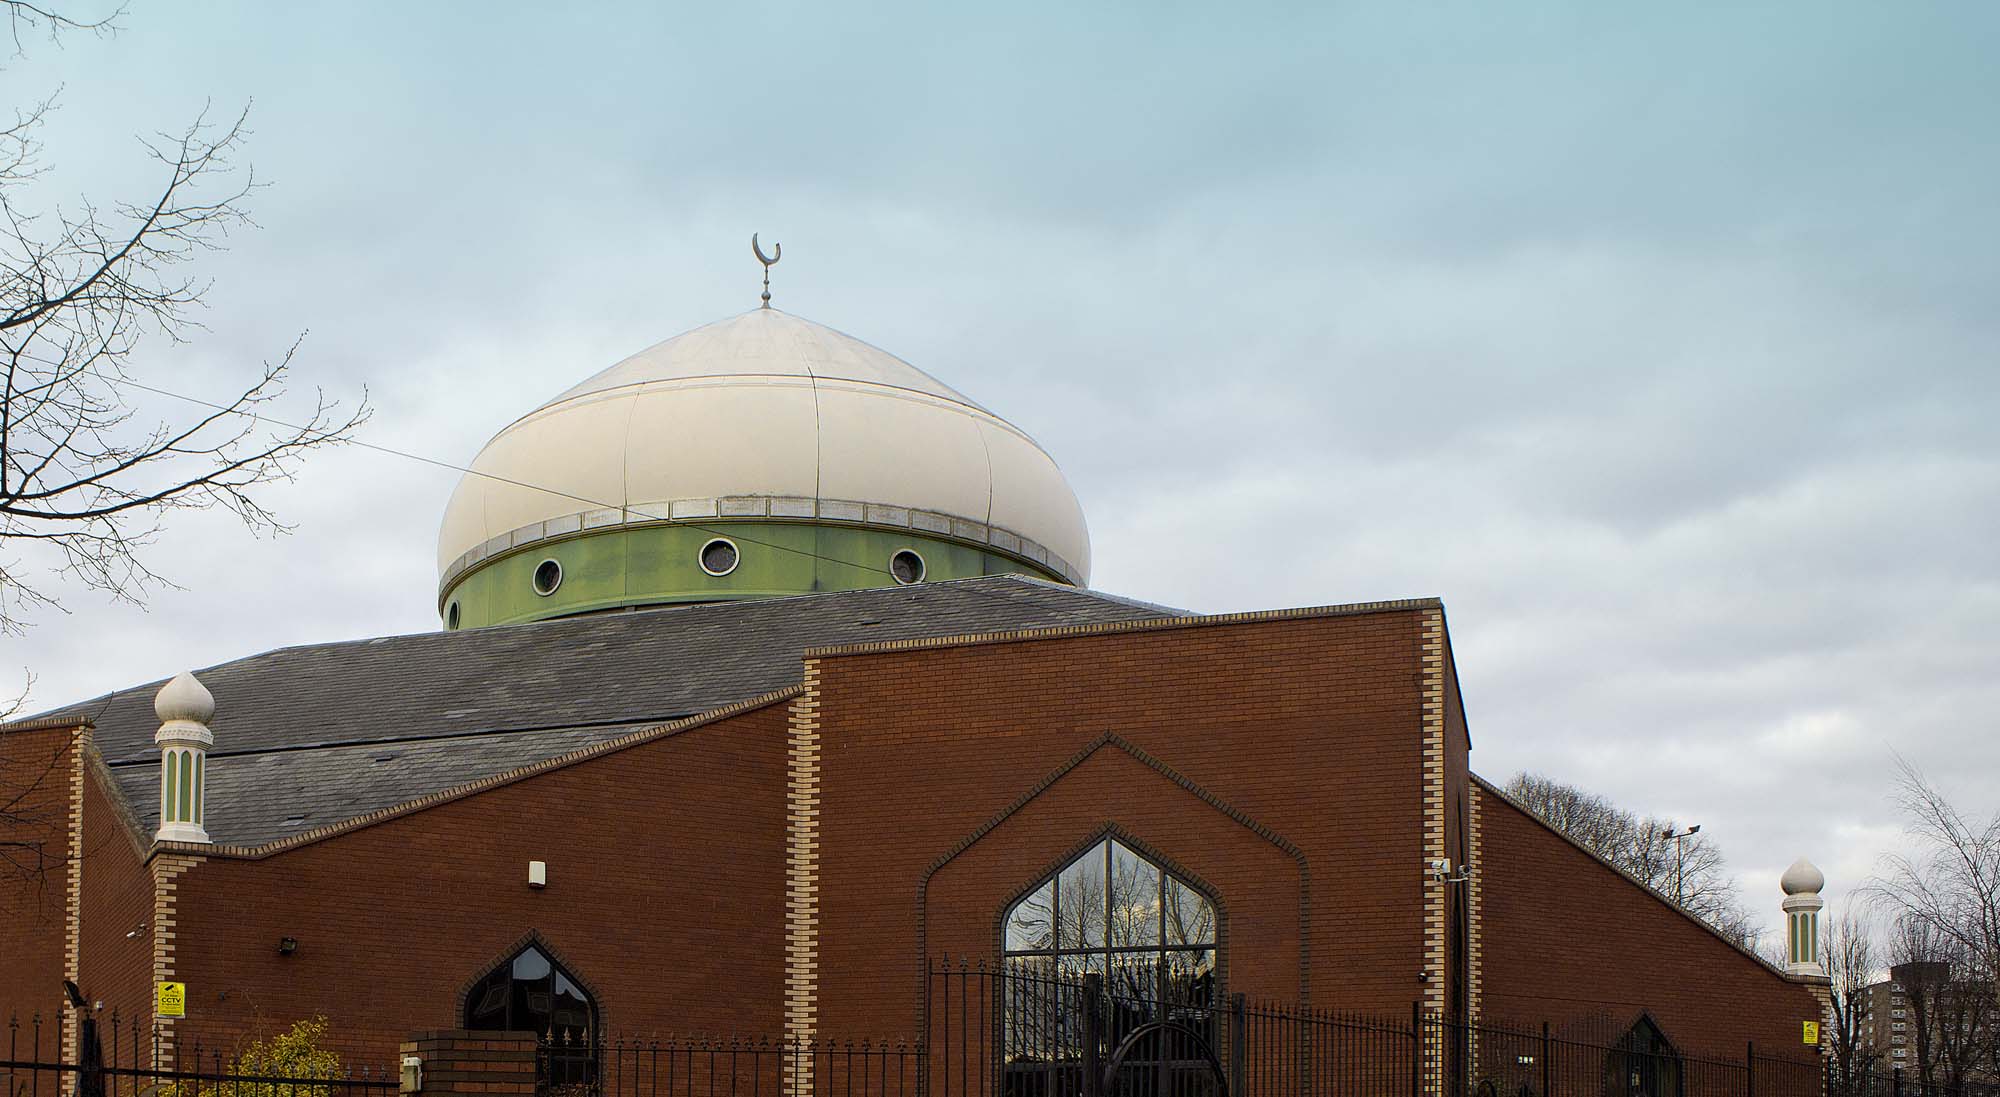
391, 451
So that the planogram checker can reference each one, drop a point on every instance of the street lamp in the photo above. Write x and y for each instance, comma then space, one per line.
1679, 839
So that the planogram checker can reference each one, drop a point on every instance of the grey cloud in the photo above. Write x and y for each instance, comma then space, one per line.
1660, 344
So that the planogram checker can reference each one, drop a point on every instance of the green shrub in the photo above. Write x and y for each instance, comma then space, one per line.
299, 1056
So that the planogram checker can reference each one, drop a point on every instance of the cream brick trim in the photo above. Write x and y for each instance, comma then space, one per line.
1475, 895
1822, 993
1430, 660
802, 875
1147, 624
167, 870
73, 894
1436, 909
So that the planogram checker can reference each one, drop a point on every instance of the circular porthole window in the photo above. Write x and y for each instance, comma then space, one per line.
718, 557
907, 567
548, 576
451, 616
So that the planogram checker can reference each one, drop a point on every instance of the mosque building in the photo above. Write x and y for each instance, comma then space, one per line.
769, 676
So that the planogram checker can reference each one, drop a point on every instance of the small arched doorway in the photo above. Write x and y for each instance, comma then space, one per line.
1643, 1064
531, 992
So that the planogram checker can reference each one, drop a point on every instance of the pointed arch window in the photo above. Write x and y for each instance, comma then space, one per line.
1114, 911
531, 992
1643, 1064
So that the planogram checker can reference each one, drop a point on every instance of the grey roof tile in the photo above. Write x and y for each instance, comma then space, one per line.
301, 733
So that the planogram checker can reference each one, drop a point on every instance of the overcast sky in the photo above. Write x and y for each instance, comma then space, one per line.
1661, 344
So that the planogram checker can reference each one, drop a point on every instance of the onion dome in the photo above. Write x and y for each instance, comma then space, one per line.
184, 699
757, 456
1802, 879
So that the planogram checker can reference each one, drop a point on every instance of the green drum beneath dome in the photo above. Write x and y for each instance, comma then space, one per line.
677, 563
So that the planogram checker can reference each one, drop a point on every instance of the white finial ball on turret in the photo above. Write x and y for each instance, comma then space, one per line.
184, 698
1803, 878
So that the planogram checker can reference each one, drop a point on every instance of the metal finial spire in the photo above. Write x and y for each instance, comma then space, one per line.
777, 253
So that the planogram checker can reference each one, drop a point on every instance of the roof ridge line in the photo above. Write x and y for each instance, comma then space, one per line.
484, 784
1507, 798
436, 737
1056, 632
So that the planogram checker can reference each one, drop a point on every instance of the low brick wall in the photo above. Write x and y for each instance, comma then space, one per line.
457, 1061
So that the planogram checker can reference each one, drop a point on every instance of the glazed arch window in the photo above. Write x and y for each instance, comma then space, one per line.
531, 992
1113, 911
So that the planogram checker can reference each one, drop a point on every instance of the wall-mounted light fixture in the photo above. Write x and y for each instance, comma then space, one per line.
1440, 871
538, 874
287, 945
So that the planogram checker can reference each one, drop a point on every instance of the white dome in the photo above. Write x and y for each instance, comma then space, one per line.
1802, 879
765, 414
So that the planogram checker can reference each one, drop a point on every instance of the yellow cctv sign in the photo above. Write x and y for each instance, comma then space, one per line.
173, 1000
1812, 1032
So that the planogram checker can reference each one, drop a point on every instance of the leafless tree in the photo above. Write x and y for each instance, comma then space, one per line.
1691, 869
1945, 897
1950, 883
88, 469
1951, 1015
93, 457
1847, 949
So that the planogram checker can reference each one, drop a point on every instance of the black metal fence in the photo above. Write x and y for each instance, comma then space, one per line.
1146, 1029
113, 1058
1517, 1061
1032, 1029
731, 1067
1886, 1081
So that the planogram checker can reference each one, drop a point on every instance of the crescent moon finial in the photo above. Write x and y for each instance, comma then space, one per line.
777, 253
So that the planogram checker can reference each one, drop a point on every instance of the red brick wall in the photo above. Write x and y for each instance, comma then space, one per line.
1568, 940
1309, 727
490, 1064
117, 899
665, 876
35, 771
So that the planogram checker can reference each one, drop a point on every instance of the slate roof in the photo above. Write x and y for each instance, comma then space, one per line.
310, 736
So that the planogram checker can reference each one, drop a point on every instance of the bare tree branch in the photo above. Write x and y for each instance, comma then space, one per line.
24, 17
1847, 949
1945, 898
88, 472
84, 478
